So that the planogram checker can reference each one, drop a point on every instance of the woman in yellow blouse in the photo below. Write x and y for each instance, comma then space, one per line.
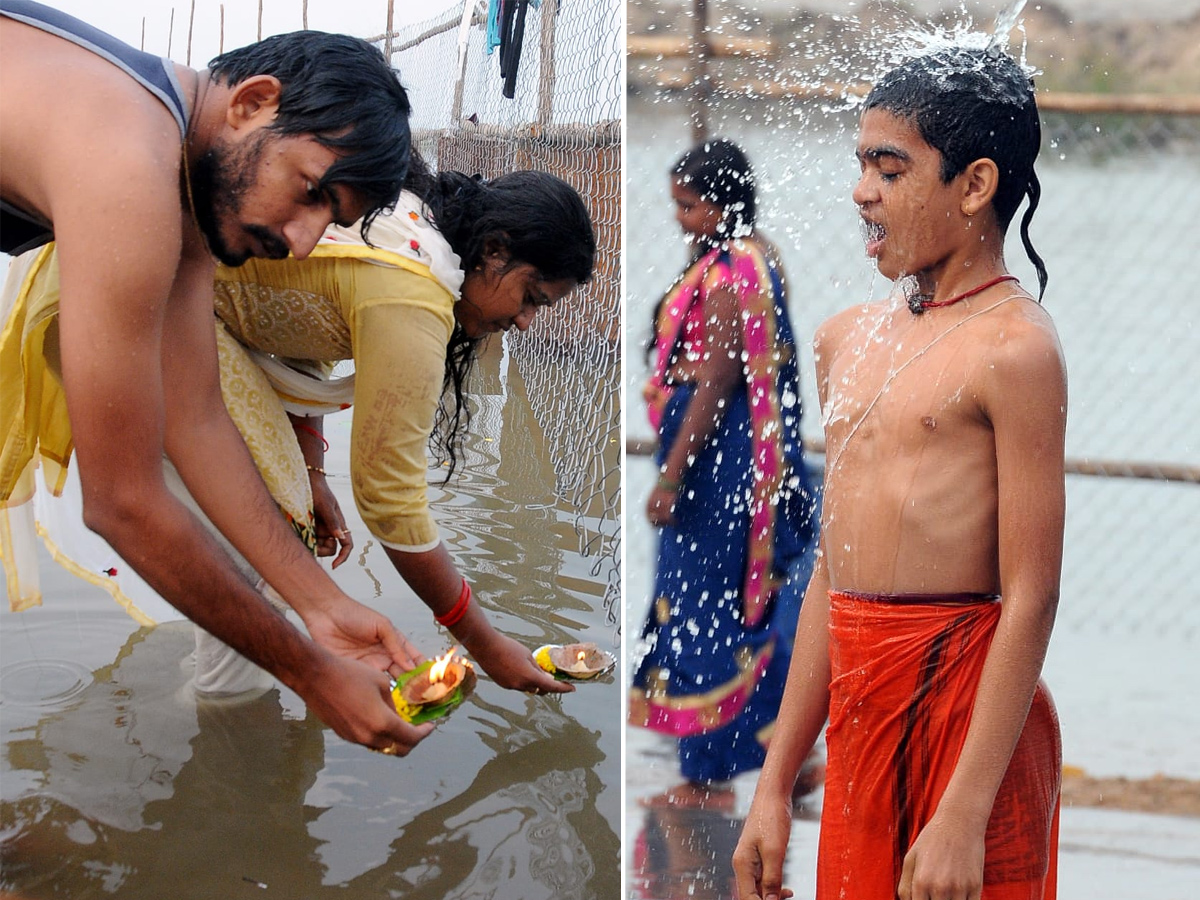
458, 259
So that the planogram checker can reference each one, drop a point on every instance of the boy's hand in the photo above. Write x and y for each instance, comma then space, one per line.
944, 863
758, 859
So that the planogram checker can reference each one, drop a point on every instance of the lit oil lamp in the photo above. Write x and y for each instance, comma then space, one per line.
580, 660
435, 683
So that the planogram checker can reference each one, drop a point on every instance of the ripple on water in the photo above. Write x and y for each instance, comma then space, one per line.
42, 683
49, 661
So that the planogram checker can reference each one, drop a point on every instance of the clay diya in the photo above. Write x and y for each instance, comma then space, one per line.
580, 660
436, 683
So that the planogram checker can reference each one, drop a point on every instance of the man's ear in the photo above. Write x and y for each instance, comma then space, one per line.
254, 101
980, 180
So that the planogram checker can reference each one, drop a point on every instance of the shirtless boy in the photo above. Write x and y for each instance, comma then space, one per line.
143, 171
925, 625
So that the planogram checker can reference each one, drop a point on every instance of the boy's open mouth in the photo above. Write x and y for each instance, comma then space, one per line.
873, 234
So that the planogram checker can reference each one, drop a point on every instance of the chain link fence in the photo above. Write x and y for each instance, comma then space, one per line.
548, 97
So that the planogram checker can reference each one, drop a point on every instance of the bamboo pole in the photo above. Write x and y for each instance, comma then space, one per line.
464, 30
1101, 468
1049, 101
547, 75
191, 29
701, 84
670, 47
387, 42
449, 25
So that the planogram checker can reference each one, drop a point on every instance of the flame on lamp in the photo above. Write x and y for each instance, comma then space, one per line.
440, 664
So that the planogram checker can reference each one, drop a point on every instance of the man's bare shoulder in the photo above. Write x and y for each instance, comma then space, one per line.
67, 109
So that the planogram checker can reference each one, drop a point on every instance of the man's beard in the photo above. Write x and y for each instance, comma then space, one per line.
221, 178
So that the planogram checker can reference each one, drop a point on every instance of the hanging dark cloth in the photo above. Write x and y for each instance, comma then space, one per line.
512, 37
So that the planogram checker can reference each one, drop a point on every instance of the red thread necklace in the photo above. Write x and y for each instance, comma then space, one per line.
934, 304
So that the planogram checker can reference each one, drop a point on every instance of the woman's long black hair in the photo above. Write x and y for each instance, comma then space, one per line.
719, 171
535, 218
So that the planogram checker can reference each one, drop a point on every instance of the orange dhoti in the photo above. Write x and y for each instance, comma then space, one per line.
905, 672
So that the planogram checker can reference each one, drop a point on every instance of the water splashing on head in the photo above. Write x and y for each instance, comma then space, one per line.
971, 100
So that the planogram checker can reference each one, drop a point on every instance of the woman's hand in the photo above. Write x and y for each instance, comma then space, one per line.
511, 665
660, 508
331, 524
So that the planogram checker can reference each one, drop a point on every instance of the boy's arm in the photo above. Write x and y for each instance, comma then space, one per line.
758, 859
1025, 398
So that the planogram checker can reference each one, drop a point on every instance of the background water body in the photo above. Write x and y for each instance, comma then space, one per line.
1118, 236
115, 781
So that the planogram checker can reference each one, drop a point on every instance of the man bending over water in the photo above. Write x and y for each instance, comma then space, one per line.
926, 622
142, 171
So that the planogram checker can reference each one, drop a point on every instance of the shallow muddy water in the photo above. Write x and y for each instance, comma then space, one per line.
117, 782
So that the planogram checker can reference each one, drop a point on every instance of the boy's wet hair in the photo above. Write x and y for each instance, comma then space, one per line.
341, 90
720, 173
971, 104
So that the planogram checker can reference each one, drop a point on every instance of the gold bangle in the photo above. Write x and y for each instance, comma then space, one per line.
316, 469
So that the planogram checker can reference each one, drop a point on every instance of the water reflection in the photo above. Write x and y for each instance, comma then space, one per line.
126, 785
140, 790
684, 852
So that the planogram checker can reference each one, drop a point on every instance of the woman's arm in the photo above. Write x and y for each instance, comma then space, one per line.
330, 522
400, 352
435, 579
717, 377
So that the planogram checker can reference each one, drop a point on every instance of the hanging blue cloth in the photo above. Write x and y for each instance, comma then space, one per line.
493, 25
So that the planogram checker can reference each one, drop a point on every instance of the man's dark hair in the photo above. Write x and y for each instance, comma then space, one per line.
341, 90
536, 218
720, 173
971, 104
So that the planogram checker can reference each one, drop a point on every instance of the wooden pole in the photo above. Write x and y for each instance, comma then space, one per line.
304, 15
701, 88
547, 73
387, 41
191, 27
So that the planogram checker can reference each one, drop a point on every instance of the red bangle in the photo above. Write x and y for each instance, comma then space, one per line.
300, 426
454, 615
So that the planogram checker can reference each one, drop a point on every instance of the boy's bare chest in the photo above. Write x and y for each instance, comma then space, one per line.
899, 391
